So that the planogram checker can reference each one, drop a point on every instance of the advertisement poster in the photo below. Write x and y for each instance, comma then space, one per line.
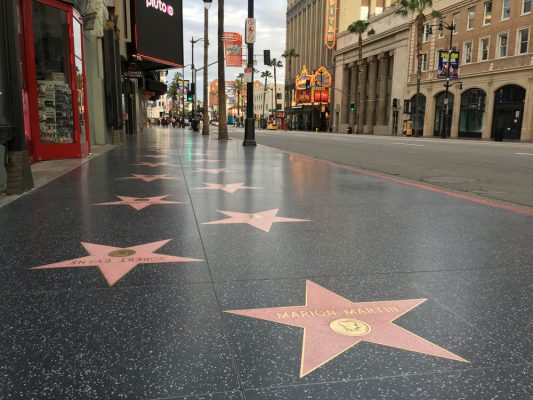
165, 44
453, 65
233, 49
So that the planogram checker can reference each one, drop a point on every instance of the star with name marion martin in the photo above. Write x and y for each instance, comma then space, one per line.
333, 325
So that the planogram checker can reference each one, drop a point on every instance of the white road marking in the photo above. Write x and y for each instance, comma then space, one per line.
525, 154
410, 144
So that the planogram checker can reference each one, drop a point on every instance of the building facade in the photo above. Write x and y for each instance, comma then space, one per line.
267, 101
494, 99
370, 91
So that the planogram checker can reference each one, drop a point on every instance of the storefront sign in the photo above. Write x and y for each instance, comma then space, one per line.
233, 49
452, 65
133, 74
331, 23
321, 78
280, 114
159, 31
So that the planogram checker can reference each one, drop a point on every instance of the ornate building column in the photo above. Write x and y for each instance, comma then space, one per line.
345, 107
372, 91
353, 92
361, 106
381, 117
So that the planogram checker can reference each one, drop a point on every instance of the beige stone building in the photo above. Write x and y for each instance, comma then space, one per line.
365, 89
494, 99
306, 34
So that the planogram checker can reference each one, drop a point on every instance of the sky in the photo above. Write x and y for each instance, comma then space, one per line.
270, 16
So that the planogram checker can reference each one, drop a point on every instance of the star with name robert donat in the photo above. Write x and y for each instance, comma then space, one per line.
149, 178
153, 165
333, 325
261, 220
140, 203
115, 262
228, 187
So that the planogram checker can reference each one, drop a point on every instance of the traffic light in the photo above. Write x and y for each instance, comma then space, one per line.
395, 103
352, 107
193, 88
266, 56
189, 95
308, 84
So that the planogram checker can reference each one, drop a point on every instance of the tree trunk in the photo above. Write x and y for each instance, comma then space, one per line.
264, 97
222, 115
205, 126
275, 102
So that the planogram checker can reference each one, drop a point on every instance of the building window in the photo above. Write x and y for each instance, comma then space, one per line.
437, 53
470, 20
502, 44
472, 110
523, 39
467, 52
487, 13
506, 9
455, 21
526, 6
425, 34
484, 49
424, 61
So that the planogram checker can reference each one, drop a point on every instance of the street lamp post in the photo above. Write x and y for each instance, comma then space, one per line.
194, 124
205, 126
249, 127
451, 28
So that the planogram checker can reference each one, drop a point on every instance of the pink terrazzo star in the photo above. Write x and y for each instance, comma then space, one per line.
207, 161
115, 262
229, 187
214, 171
333, 324
149, 178
261, 220
153, 165
140, 203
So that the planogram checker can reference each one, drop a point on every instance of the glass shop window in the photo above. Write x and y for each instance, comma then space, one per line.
52, 65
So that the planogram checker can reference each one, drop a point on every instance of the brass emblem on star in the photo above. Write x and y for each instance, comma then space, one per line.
121, 253
350, 327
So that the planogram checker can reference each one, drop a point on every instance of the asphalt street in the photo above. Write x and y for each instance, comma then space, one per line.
497, 171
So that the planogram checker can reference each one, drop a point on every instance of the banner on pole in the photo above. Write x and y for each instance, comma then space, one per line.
233, 49
445, 64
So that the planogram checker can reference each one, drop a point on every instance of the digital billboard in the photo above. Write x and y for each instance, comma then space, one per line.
159, 30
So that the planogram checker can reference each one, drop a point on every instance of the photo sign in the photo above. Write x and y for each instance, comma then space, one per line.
159, 31
452, 64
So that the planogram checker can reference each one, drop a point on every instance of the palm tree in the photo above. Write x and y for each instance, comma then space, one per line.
222, 115
275, 64
289, 54
265, 75
173, 92
239, 86
359, 27
417, 9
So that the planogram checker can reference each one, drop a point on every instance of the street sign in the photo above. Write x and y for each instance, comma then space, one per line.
133, 74
250, 30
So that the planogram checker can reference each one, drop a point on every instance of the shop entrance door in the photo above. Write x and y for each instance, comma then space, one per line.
56, 80
508, 113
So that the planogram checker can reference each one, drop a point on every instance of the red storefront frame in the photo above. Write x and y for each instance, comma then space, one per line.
47, 151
